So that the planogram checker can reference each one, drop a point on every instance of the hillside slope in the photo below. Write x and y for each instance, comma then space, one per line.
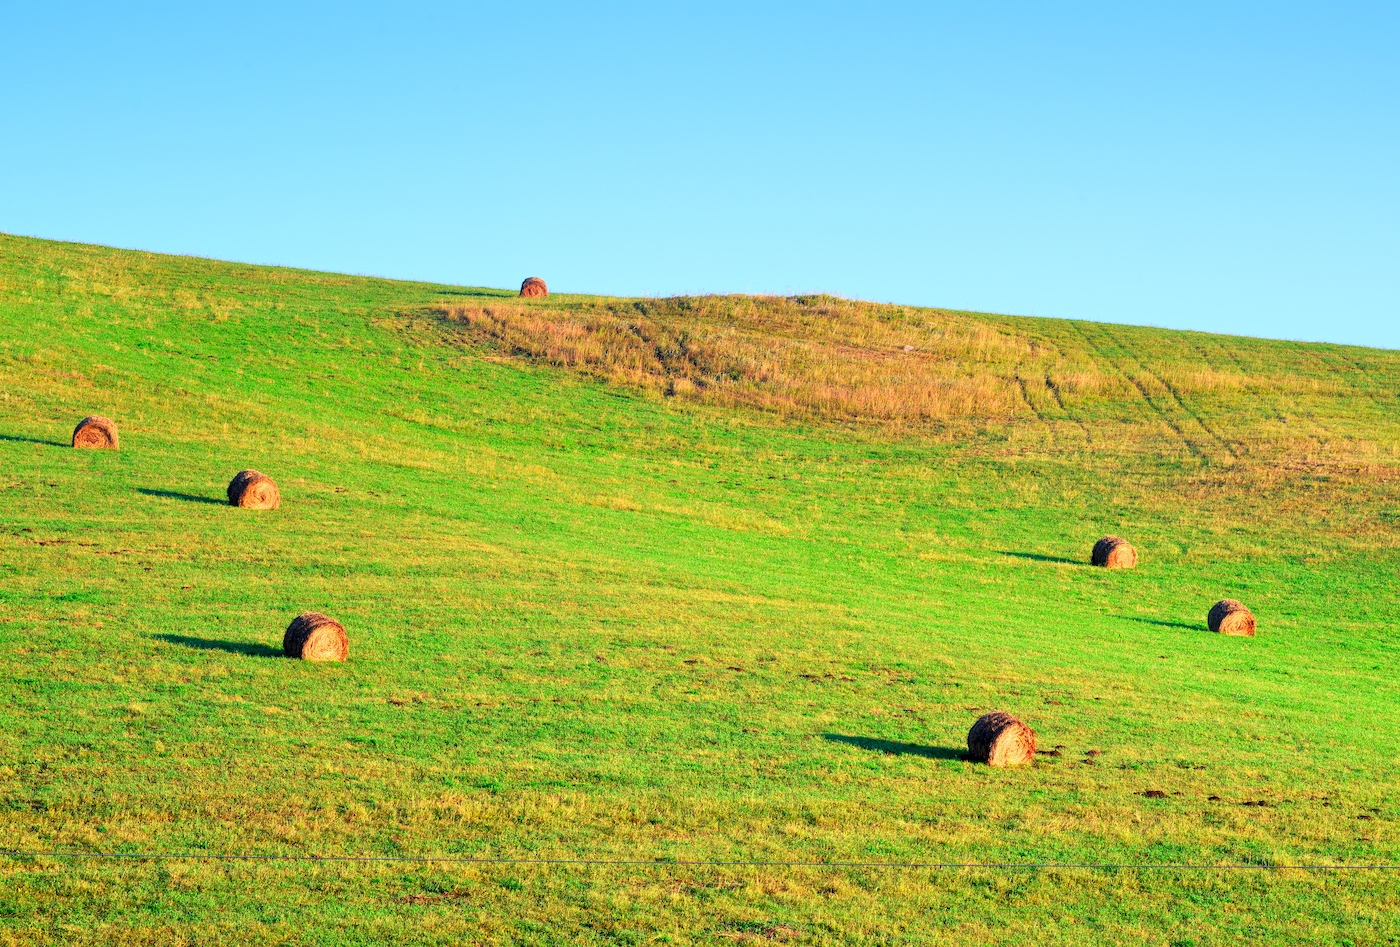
642, 580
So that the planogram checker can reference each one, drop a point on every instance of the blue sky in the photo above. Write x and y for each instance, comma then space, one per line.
1225, 167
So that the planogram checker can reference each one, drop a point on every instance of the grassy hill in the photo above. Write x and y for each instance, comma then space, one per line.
720, 579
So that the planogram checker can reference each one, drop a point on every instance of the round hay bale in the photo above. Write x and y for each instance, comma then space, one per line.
95, 431
1229, 617
999, 739
253, 491
315, 637
1113, 553
534, 286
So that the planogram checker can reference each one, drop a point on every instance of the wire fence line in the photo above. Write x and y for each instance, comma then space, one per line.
692, 863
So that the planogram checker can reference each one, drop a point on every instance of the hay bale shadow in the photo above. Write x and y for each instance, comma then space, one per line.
214, 644
897, 749
1039, 558
187, 497
18, 438
1192, 626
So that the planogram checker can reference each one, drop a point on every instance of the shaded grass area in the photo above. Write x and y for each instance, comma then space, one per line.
588, 622
897, 749
233, 647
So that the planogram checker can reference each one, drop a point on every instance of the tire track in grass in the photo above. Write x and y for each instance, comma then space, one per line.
1061, 347
1040, 415
1062, 357
1356, 370
1385, 406
1147, 396
1046, 419
1026, 397
1102, 352
1233, 447
1176, 396
1262, 379
1331, 370
1054, 390
1240, 368
1386, 399
1343, 377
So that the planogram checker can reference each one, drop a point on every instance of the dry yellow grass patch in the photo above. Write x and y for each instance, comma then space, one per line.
795, 355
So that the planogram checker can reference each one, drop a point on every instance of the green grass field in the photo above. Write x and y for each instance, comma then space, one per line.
592, 621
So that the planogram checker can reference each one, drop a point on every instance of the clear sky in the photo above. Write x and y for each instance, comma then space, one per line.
1232, 167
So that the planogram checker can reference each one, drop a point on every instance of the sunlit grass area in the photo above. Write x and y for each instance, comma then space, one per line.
719, 579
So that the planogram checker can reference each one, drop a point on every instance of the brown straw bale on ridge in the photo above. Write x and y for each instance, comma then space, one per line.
1229, 617
1114, 553
253, 491
95, 431
534, 286
999, 739
315, 637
